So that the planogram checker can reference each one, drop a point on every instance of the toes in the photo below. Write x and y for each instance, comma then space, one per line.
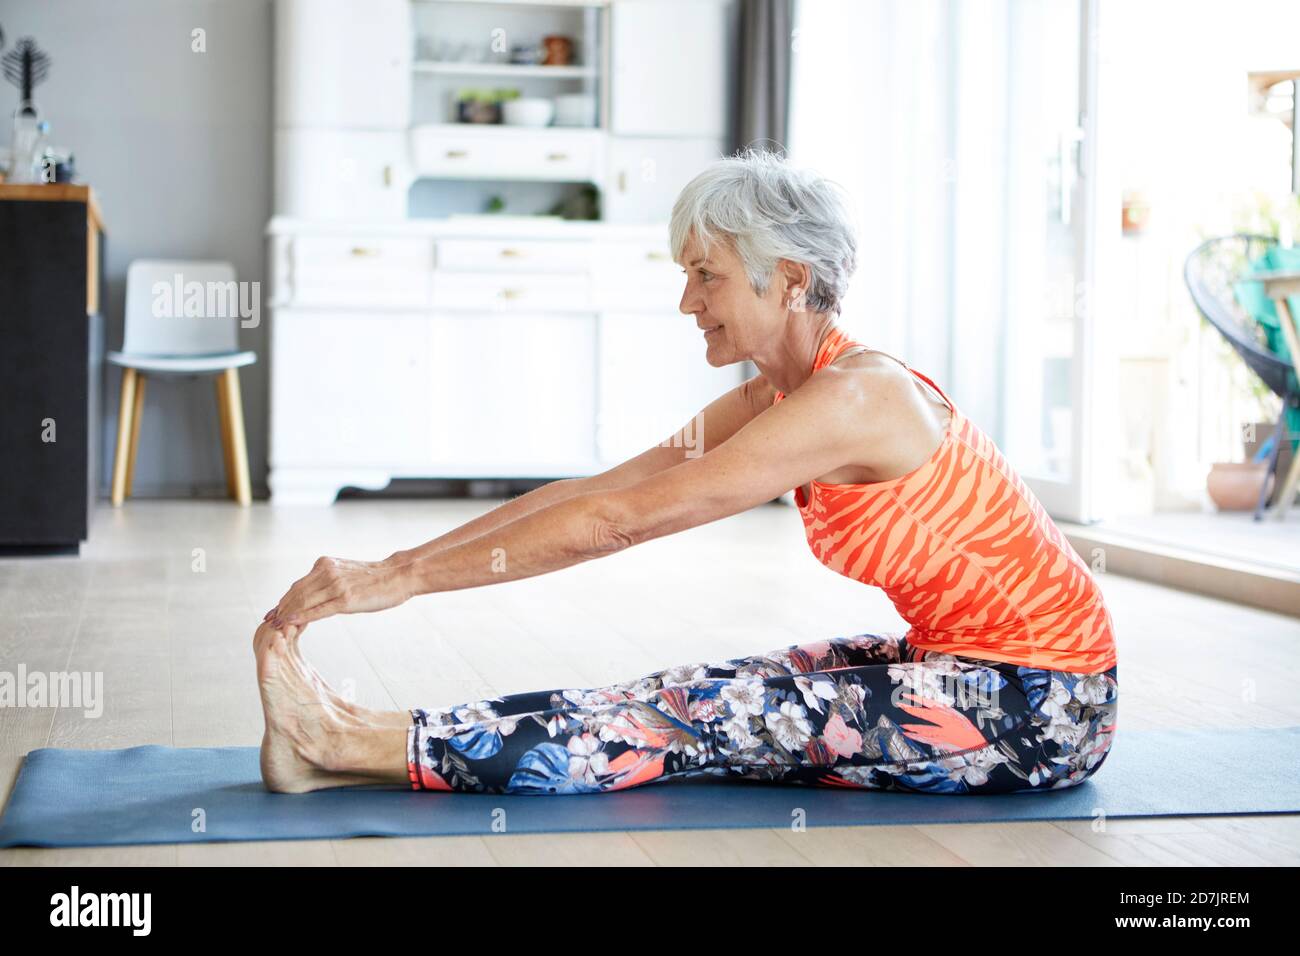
263, 636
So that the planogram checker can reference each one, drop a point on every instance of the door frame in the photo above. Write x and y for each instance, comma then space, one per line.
1074, 497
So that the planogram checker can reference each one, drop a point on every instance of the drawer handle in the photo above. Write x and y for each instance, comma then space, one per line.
363, 251
657, 256
457, 153
510, 253
511, 293
553, 157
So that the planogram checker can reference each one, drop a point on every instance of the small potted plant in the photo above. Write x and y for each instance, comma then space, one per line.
482, 106
1235, 485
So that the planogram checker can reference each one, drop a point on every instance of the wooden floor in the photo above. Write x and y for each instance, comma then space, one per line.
174, 644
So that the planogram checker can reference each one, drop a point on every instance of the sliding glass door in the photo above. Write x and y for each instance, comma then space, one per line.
1049, 235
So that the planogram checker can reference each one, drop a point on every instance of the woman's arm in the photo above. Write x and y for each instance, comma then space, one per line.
818, 428
717, 422
504, 513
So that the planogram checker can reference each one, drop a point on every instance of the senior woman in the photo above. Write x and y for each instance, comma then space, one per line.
1005, 680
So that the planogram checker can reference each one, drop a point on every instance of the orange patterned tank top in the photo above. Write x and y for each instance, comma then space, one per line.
965, 552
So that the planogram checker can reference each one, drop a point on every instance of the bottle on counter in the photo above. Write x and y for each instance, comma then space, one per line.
24, 159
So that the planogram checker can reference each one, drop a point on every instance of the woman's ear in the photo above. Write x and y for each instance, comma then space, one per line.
797, 277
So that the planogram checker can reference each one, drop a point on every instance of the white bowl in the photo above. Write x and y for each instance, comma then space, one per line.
575, 109
527, 111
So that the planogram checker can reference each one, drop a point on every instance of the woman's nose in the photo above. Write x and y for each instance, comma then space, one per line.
690, 301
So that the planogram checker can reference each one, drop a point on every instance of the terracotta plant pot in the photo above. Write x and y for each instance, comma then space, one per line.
1234, 485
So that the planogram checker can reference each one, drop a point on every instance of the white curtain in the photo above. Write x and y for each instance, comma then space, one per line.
904, 103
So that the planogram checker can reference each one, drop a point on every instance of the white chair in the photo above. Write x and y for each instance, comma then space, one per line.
163, 337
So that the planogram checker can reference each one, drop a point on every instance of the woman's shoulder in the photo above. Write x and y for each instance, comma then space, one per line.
871, 392
870, 372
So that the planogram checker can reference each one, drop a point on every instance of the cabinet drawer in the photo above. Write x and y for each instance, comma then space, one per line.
485, 290
650, 257
334, 253
505, 255
497, 153
571, 159
356, 270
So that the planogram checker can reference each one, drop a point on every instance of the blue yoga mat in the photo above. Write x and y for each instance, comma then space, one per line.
162, 795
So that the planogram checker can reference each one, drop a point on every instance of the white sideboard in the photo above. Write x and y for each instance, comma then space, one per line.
474, 350
408, 340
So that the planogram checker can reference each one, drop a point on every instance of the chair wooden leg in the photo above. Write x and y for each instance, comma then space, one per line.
122, 454
137, 413
235, 430
223, 415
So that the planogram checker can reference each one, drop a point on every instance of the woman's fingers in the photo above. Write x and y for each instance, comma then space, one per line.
322, 582
277, 613
312, 594
319, 577
333, 586
335, 605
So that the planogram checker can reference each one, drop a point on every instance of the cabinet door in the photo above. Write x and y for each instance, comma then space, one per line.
514, 394
341, 174
683, 45
339, 63
653, 379
645, 174
349, 388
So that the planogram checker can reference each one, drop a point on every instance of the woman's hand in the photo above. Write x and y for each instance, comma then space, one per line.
340, 586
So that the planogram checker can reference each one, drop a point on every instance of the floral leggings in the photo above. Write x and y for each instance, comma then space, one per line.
868, 711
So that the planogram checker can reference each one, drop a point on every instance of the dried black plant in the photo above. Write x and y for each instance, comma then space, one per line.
25, 66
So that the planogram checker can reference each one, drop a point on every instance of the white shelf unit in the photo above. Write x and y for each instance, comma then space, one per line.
518, 70
482, 347
484, 36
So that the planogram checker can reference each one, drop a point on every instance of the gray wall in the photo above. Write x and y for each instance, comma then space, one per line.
177, 146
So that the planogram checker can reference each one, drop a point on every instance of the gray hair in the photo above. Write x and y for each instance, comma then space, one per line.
769, 210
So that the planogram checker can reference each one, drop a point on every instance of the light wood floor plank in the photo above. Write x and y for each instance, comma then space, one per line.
567, 849
720, 848
414, 851
1016, 844
870, 846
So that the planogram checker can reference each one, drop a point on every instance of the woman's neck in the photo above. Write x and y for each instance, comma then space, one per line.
789, 362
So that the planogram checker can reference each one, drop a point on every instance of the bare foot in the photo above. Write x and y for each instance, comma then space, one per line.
303, 730
363, 716
309, 673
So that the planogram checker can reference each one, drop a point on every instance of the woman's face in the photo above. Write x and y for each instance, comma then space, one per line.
734, 321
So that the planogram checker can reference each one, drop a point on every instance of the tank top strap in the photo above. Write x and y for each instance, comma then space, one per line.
837, 343
928, 381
